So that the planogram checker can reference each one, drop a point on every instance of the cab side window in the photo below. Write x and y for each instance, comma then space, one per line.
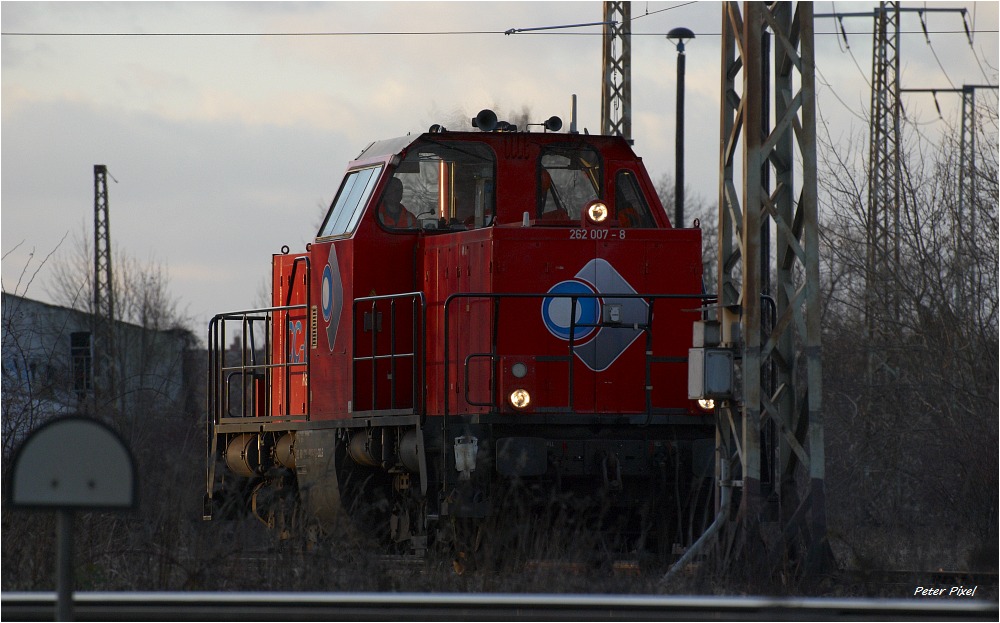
631, 208
351, 199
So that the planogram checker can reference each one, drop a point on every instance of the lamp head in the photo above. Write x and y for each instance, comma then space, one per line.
681, 34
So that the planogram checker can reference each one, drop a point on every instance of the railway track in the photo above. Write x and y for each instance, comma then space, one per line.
171, 606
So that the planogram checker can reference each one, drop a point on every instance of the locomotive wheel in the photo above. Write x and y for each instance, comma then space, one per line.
367, 502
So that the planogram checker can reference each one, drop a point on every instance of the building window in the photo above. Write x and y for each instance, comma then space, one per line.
82, 358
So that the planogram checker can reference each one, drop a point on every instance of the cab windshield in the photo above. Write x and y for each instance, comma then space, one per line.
569, 179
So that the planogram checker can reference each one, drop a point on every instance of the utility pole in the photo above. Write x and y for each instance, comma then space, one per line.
964, 280
884, 180
792, 346
885, 198
616, 74
967, 280
679, 34
966, 283
104, 298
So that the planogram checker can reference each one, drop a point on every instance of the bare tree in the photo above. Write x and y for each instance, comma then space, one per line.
705, 216
145, 359
159, 419
26, 386
913, 444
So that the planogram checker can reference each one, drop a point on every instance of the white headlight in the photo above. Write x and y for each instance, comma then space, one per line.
597, 212
520, 398
706, 403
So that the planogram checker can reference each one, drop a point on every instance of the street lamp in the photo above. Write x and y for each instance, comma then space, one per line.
680, 35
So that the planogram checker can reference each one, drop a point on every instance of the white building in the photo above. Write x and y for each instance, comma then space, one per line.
49, 369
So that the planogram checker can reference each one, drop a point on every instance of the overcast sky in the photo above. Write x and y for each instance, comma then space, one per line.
228, 125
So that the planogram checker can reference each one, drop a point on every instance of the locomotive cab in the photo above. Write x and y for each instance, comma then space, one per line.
477, 308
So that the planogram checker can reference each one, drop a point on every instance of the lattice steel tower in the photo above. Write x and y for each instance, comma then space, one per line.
884, 183
104, 293
791, 403
616, 77
966, 281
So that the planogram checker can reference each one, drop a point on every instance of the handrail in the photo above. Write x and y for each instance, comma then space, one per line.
220, 372
306, 337
574, 298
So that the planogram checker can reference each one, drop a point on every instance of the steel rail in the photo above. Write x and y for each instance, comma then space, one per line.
259, 606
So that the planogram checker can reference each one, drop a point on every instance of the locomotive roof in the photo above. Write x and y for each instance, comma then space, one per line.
382, 149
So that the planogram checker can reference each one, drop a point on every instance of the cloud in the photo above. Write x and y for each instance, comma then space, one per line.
220, 195
226, 146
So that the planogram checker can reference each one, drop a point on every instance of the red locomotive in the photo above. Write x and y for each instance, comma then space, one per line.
478, 308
